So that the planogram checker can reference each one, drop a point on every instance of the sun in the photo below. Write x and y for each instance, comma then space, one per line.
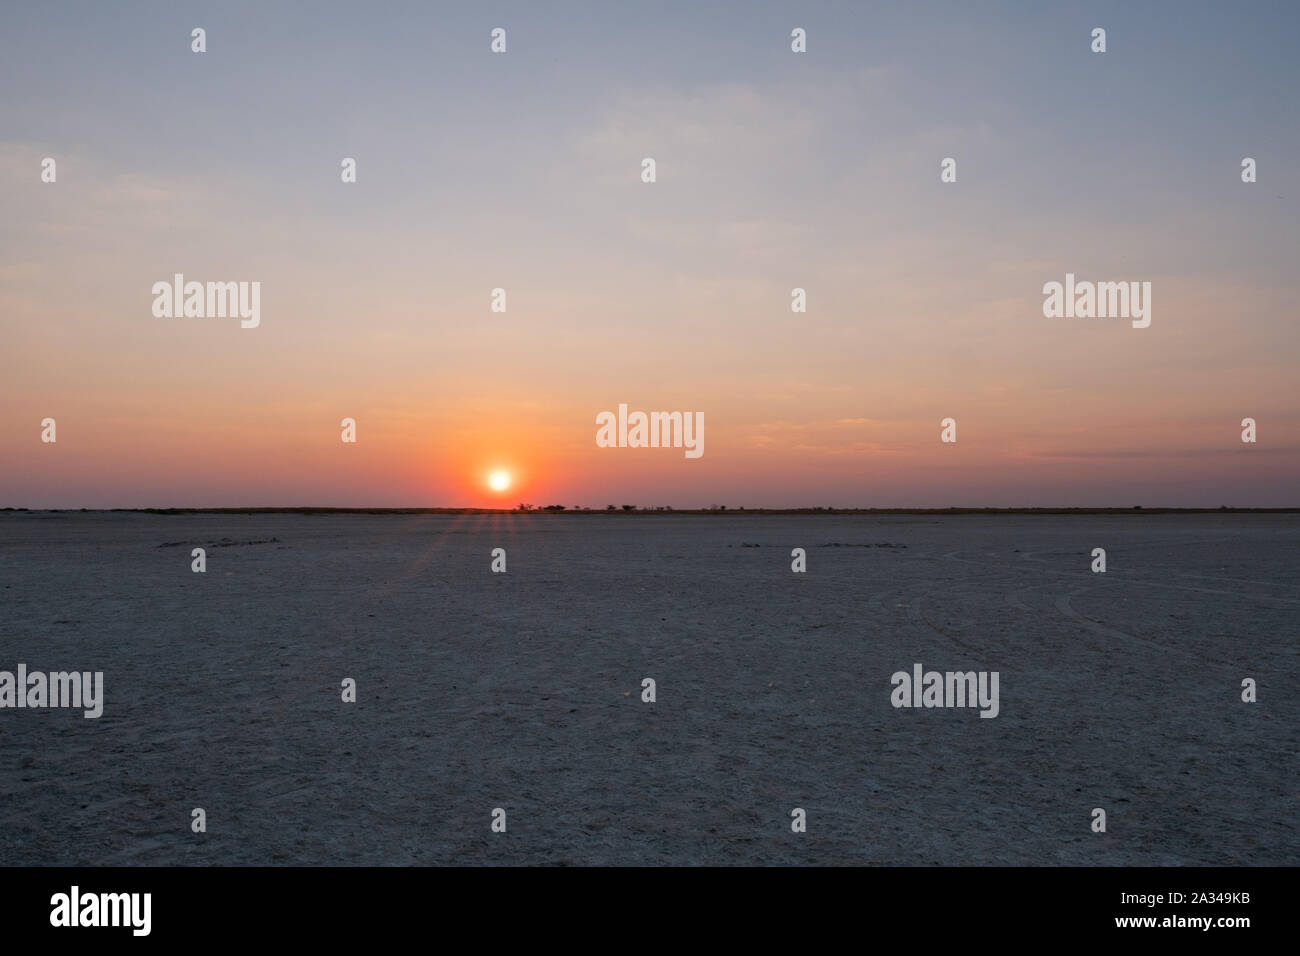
499, 480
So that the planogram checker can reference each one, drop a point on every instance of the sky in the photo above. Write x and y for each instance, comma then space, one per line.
775, 170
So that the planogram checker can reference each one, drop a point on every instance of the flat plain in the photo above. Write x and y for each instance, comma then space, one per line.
522, 690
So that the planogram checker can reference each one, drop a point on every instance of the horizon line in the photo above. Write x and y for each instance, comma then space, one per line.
655, 510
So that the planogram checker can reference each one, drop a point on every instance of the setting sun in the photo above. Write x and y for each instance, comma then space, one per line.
499, 480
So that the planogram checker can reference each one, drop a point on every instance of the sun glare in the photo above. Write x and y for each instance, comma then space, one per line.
499, 480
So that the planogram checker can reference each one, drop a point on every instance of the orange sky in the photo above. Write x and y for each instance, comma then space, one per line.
774, 172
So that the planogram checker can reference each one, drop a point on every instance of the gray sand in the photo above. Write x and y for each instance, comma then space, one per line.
479, 690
